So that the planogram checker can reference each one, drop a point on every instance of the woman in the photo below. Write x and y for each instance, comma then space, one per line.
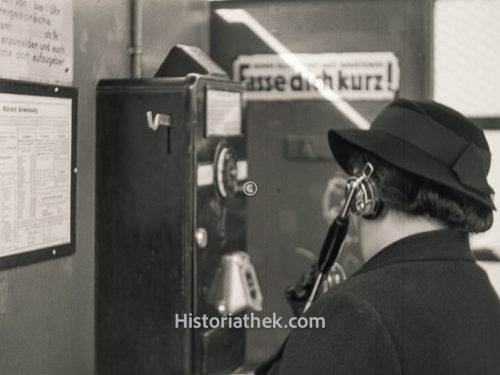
420, 304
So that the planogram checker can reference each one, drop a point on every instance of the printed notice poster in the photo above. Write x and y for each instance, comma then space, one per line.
351, 76
35, 172
36, 40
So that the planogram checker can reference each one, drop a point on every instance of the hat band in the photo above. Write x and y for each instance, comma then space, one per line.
469, 162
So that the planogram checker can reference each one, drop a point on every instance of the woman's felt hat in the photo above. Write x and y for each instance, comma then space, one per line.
427, 139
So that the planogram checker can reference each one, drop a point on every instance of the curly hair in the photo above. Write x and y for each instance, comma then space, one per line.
407, 192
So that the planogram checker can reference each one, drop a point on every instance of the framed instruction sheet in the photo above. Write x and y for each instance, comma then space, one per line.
37, 172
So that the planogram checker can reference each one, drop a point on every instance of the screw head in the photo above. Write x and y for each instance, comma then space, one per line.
201, 236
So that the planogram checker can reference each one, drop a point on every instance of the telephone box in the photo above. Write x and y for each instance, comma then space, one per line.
171, 220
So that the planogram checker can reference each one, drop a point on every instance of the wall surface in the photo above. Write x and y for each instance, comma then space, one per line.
47, 309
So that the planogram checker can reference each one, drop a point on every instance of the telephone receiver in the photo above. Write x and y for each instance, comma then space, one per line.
361, 199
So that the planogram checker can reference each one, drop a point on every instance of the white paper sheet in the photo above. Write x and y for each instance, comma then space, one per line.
35, 172
36, 40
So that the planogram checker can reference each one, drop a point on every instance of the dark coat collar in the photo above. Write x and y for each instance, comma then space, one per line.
445, 245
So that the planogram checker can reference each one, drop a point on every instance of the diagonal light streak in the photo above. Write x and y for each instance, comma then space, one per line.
289, 58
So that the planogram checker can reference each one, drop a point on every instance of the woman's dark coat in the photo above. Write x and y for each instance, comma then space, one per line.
421, 306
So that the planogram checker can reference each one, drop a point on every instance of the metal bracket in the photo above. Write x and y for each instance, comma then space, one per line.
160, 119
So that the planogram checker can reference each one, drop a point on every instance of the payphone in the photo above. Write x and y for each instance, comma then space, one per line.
171, 220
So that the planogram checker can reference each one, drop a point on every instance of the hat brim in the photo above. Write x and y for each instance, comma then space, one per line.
397, 152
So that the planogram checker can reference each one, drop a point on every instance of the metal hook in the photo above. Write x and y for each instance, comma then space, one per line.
160, 119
